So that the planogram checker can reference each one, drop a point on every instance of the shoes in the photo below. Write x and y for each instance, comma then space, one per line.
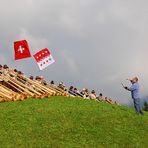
141, 113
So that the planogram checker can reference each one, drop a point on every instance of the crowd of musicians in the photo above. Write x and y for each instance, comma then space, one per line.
14, 85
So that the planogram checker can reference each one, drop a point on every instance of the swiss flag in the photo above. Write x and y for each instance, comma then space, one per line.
21, 49
43, 58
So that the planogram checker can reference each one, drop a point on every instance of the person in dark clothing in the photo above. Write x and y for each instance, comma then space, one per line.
52, 82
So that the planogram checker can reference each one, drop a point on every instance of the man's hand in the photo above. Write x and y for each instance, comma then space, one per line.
125, 87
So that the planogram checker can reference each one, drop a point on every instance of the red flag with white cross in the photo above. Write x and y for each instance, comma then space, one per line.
21, 50
44, 58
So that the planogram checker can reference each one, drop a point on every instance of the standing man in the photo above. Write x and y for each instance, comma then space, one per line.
134, 88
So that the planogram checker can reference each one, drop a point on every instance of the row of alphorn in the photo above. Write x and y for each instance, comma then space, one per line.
14, 87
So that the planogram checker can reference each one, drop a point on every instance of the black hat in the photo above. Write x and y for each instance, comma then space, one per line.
5, 66
31, 77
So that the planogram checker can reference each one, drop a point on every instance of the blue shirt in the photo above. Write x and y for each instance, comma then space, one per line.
134, 91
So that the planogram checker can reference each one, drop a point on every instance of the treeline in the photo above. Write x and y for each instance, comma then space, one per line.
145, 108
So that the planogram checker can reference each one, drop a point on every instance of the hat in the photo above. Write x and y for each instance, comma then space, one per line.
31, 77
37, 78
93, 91
5, 66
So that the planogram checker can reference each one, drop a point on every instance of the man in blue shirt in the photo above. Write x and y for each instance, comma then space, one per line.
135, 94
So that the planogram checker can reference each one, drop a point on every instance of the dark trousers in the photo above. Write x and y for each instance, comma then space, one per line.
137, 106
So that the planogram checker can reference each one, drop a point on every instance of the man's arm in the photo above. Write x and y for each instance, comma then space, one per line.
124, 86
132, 88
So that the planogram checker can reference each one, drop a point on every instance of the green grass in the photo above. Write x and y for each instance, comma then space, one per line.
70, 122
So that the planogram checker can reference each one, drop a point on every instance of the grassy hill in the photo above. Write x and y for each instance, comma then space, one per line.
70, 122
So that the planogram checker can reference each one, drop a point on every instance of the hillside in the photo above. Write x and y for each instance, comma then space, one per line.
70, 122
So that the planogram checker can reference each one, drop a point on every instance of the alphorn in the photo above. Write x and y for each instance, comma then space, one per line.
8, 95
30, 85
18, 96
59, 91
29, 90
6, 91
13, 86
18, 84
33, 86
38, 87
47, 87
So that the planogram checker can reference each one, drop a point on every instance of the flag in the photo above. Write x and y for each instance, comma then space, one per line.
43, 58
21, 50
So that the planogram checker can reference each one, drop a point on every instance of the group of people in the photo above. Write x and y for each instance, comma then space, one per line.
74, 92
84, 93
16, 82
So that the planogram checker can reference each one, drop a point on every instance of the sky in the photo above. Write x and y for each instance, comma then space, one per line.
97, 44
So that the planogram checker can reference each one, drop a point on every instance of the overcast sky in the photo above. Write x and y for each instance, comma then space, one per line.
96, 43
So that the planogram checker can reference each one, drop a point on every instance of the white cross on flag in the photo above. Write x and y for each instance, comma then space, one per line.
21, 50
43, 58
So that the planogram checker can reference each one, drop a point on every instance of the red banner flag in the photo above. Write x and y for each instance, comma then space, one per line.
44, 58
21, 50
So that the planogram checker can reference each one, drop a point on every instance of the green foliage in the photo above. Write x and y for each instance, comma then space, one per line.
145, 108
70, 122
